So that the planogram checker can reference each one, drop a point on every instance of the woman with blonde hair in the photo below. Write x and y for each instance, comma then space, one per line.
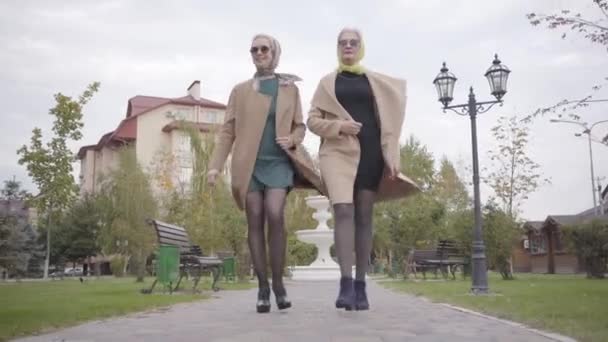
264, 129
358, 114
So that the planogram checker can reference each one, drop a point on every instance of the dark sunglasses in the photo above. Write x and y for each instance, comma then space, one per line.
351, 42
263, 48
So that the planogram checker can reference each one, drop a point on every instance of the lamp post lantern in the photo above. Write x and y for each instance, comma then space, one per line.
497, 76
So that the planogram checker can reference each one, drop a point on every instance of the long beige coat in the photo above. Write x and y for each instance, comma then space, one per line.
339, 154
242, 130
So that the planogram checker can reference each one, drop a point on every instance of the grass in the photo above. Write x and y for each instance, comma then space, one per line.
568, 304
32, 307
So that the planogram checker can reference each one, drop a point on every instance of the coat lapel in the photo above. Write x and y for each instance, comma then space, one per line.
326, 100
258, 104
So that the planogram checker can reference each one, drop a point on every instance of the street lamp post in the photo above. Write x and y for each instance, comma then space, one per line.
497, 76
587, 130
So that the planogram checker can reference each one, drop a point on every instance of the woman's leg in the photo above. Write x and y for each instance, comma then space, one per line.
274, 207
364, 210
344, 238
254, 209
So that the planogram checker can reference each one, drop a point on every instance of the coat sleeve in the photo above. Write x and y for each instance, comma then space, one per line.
225, 136
298, 128
318, 124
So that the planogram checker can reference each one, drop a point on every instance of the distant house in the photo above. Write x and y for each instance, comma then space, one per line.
152, 126
545, 245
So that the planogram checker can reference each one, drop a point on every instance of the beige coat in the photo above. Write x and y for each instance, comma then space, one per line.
242, 130
339, 154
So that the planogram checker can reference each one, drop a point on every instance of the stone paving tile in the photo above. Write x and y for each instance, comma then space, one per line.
230, 317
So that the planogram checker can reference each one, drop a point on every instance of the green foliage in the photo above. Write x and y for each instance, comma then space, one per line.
50, 165
76, 237
12, 191
513, 175
118, 265
125, 206
500, 232
590, 242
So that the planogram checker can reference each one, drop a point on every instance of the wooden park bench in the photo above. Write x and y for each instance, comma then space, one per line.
191, 259
446, 258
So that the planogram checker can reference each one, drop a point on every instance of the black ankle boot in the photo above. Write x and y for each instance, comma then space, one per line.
263, 304
280, 294
361, 302
346, 297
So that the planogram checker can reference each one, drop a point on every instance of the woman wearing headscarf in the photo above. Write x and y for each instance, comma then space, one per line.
358, 114
264, 129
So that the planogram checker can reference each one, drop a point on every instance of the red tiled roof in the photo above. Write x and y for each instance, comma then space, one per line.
141, 104
203, 127
138, 105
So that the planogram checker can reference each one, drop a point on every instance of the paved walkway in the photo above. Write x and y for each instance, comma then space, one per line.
231, 316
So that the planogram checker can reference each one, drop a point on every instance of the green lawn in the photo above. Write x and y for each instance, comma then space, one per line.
570, 305
31, 307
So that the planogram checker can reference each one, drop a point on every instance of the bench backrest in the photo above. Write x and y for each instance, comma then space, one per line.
172, 235
424, 254
447, 248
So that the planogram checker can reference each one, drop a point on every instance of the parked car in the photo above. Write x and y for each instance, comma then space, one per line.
73, 271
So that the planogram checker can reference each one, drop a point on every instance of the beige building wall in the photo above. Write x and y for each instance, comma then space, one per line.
151, 143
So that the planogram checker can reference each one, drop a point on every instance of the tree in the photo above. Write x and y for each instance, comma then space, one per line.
412, 222
450, 189
513, 175
500, 233
12, 190
19, 250
77, 235
128, 203
594, 30
590, 242
50, 164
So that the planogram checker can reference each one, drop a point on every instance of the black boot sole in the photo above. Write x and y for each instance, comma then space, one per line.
263, 308
284, 305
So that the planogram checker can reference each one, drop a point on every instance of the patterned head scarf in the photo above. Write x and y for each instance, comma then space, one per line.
356, 68
275, 51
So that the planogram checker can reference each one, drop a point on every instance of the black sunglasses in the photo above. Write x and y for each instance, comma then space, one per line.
351, 42
263, 48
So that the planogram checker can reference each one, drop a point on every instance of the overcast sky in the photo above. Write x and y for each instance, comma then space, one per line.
158, 48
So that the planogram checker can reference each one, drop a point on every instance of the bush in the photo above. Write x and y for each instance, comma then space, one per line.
117, 265
590, 242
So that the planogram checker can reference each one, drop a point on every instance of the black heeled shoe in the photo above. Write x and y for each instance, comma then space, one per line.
263, 304
346, 297
361, 302
280, 294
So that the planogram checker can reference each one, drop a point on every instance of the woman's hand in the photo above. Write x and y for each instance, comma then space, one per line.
393, 171
285, 142
350, 127
212, 177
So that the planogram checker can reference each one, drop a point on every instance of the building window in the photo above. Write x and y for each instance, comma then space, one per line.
538, 244
185, 175
213, 117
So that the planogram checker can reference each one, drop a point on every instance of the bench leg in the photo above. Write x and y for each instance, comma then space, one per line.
217, 272
148, 291
444, 271
179, 281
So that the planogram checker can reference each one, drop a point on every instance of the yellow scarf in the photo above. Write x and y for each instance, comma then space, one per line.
356, 68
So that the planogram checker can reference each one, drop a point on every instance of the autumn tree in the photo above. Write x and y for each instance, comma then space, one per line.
50, 164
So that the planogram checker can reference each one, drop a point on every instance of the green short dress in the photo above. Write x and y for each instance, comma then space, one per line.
272, 168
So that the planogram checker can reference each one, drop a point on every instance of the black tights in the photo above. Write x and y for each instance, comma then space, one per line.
353, 230
261, 206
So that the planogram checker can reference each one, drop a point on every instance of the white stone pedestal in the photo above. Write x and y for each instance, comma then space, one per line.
324, 267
